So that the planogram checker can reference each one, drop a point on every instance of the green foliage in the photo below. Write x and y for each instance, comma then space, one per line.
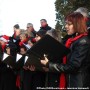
58, 26
64, 7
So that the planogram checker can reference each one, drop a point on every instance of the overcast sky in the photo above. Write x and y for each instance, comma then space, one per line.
24, 11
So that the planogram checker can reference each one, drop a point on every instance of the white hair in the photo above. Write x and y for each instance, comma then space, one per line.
29, 24
83, 11
55, 34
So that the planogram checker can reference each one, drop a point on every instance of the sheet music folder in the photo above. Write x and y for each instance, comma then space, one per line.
49, 46
9, 60
19, 61
16, 63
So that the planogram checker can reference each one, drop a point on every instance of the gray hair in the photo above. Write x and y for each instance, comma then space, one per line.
43, 20
29, 24
83, 11
23, 32
56, 34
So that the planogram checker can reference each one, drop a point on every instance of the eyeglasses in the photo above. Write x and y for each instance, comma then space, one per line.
27, 27
68, 23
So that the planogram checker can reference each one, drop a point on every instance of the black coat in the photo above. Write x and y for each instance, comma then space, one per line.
77, 63
33, 79
15, 41
45, 28
7, 77
34, 33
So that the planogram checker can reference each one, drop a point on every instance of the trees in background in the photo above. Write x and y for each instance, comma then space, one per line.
64, 7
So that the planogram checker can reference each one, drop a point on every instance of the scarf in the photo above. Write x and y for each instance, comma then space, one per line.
22, 42
3, 47
14, 35
68, 44
18, 81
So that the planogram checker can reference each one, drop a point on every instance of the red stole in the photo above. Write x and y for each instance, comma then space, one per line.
68, 44
22, 42
18, 81
3, 47
14, 35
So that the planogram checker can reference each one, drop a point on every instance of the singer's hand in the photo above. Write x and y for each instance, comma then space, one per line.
31, 68
25, 67
45, 69
44, 62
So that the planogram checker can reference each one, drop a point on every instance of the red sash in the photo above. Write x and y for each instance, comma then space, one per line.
22, 42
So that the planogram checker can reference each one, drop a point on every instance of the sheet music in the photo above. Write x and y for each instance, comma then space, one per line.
26, 57
5, 56
18, 57
27, 46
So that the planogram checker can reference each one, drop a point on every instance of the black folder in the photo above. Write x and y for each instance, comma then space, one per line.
48, 46
13, 62
34, 60
20, 63
9, 60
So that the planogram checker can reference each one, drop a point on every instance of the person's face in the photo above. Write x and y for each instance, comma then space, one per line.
29, 28
30, 43
37, 38
14, 29
8, 50
43, 23
17, 31
22, 51
69, 28
22, 37
2, 42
